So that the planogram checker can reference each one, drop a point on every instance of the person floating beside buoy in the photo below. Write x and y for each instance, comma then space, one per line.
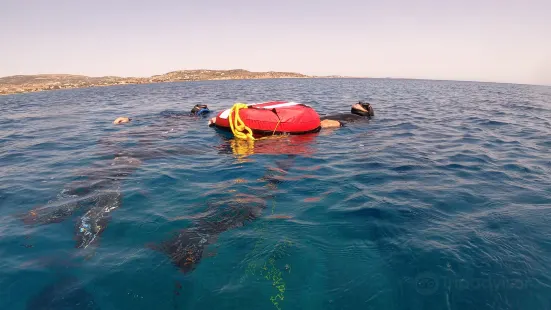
200, 110
359, 111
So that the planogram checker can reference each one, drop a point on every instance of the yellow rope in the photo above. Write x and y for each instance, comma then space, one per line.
237, 125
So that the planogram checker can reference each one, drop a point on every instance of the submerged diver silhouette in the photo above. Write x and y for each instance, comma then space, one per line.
97, 197
186, 247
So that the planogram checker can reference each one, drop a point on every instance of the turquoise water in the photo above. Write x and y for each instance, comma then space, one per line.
442, 201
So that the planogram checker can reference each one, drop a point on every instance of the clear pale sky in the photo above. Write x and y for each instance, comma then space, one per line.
484, 40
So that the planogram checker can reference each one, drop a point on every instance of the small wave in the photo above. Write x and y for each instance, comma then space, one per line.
471, 158
494, 123
457, 166
407, 168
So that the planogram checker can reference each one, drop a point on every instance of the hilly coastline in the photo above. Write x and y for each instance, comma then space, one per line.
41, 82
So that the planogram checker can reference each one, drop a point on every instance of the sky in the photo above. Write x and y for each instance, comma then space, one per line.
480, 40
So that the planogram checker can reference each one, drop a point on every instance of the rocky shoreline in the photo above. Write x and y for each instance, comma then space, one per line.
33, 83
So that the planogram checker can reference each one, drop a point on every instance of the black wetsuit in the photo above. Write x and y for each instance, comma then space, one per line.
345, 118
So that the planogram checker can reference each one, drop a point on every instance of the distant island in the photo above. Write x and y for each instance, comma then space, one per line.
41, 82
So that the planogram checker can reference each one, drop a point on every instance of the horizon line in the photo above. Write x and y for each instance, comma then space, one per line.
292, 72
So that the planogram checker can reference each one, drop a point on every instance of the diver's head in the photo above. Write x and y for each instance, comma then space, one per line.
362, 108
200, 109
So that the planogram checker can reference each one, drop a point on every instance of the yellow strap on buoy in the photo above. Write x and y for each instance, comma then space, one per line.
237, 125
279, 121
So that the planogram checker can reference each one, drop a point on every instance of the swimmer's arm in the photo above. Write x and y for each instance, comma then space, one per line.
329, 123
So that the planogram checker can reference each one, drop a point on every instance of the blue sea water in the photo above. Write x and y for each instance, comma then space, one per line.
441, 201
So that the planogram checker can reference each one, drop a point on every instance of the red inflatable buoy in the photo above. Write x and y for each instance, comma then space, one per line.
274, 117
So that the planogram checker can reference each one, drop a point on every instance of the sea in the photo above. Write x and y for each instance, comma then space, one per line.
442, 200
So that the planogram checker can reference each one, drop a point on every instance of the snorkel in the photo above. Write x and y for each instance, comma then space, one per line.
367, 109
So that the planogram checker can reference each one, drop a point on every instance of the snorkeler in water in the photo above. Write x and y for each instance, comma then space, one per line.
360, 111
197, 110
200, 110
